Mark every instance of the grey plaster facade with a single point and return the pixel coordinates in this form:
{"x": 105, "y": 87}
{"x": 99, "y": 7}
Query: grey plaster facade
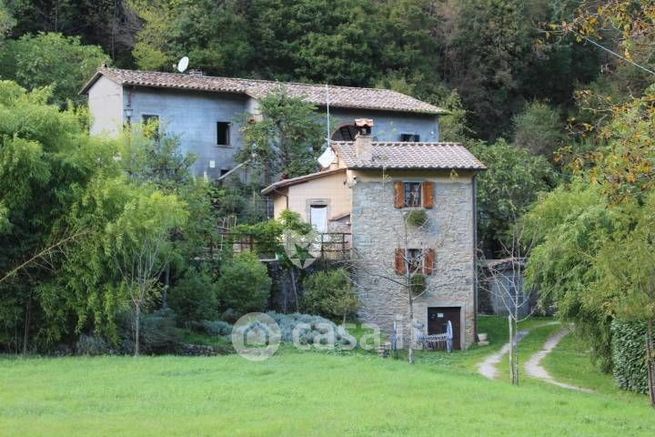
{"x": 378, "y": 229}
{"x": 192, "y": 116}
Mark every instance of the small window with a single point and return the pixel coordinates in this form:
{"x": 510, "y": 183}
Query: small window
{"x": 318, "y": 217}
{"x": 410, "y": 138}
{"x": 151, "y": 126}
{"x": 412, "y": 194}
{"x": 224, "y": 171}
{"x": 222, "y": 133}
{"x": 415, "y": 260}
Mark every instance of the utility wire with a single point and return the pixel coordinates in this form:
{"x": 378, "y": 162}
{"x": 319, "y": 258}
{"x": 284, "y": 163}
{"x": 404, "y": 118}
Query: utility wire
{"x": 612, "y": 52}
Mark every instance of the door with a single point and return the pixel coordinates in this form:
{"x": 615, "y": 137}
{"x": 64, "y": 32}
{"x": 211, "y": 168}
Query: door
{"x": 438, "y": 318}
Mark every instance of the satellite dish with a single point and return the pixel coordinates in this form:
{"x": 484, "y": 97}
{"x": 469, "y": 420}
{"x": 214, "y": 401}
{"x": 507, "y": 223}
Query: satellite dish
{"x": 327, "y": 158}
{"x": 183, "y": 64}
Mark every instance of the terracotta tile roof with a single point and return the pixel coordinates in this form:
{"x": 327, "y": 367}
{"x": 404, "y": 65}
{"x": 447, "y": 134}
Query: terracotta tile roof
{"x": 400, "y": 155}
{"x": 297, "y": 180}
{"x": 340, "y": 96}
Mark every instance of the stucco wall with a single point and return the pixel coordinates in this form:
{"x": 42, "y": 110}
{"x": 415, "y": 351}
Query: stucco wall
{"x": 330, "y": 189}
{"x": 192, "y": 116}
{"x": 106, "y": 107}
{"x": 378, "y": 230}
{"x": 389, "y": 125}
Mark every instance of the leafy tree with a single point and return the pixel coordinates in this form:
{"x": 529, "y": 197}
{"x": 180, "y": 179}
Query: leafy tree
{"x": 6, "y": 22}
{"x": 138, "y": 243}
{"x": 330, "y": 294}
{"x": 506, "y": 190}
{"x": 51, "y": 59}
{"x": 287, "y": 140}
{"x": 46, "y": 157}
{"x": 110, "y": 24}
{"x": 538, "y": 129}
{"x": 244, "y": 284}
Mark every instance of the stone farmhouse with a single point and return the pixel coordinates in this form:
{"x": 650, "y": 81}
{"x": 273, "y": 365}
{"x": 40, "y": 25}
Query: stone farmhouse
{"x": 205, "y": 112}
{"x": 372, "y": 178}
{"x": 368, "y": 188}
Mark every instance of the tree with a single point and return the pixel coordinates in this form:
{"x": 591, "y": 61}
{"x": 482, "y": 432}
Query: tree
{"x": 538, "y": 129}
{"x": 507, "y": 276}
{"x": 330, "y": 294}
{"x": 512, "y": 182}
{"x": 6, "y": 22}
{"x": 138, "y": 241}
{"x": 288, "y": 138}
{"x": 46, "y": 158}
{"x": 51, "y": 59}
{"x": 244, "y": 285}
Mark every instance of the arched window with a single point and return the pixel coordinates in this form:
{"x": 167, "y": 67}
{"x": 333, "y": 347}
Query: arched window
{"x": 347, "y": 132}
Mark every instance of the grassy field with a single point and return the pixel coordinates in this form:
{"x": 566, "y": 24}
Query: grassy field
{"x": 571, "y": 362}
{"x": 292, "y": 393}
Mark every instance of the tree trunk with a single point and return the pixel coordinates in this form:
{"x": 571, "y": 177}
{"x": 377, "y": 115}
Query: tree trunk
{"x": 28, "y": 316}
{"x": 293, "y": 287}
{"x": 137, "y": 328}
{"x": 511, "y": 349}
{"x": 516, "y": 353}
{"x": 650, "y": 363}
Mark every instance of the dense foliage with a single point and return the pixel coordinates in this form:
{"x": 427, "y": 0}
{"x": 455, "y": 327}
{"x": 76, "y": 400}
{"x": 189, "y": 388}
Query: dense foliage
{"x": 330, "y": 294}
{"x": 629, "y": 369}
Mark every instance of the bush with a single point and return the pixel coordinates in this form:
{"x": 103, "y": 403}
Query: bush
{"x": 215, "y": 327}
{"x": 418, "y": 284}
{"x": 244, "y": 285}
{"x": 330, "y": 294}
{"x": 194, "y": 298}
{"x": 91, "y": 345}
{"x": 629, "y": 356}
{"x": 417, "y": 218}
{"x": 159, "y": 333}
{"x": 318, "y": 326}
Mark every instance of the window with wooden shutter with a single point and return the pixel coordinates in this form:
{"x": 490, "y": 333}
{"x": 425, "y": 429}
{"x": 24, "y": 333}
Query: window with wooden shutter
{"x": 399, "y": 194}
{"x": 400, "y": 261}
{"x": 428, "y": 194}
{"x": 428, "y": 265}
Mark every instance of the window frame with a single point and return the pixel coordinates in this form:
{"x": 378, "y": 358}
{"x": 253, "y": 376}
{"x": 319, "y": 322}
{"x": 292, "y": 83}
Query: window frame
{"x": 407, "y": 194}
{"x": 227, "y": 136}
{"x": 413, "y": 137}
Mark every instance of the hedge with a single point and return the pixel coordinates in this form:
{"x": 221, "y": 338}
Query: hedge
{"x": 629, "y": 355}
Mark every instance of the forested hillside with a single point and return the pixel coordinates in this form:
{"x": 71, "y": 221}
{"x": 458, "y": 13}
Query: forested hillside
{"x": 554, "y": 96}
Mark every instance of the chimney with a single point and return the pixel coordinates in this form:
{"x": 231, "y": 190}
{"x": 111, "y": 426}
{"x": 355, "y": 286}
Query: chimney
{"x": 363, "y": 140}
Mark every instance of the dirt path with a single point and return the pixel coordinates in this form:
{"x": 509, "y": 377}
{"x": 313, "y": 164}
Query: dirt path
{"x": 488, "y": 368}
{"x": 534, "y": 368}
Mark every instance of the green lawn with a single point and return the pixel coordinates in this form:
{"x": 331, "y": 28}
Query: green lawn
{"x": 292, "y": 393}
{"x": 571, "y": 362}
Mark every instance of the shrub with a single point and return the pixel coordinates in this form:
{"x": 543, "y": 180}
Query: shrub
{"x": 629, "y": 355}
{"x": 91, "y": 345}
{"x": 216, "y": 327}
{"x": 194, "y": 298}
{"x": 318, "y": 326}
{"x": 159, "y": 333}
{"x": 330, "y": 294}
{"x": 417, "y": 217}
{"x": 244, "y": 285}
{"x": 418, "y": 284}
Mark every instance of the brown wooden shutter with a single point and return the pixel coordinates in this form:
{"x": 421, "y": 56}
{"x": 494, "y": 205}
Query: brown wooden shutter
{"x": 428, "y": 194}
{"x": 399, "y": 194}
{"x": 400, "y": 261}
{"x": 428, "y": 265}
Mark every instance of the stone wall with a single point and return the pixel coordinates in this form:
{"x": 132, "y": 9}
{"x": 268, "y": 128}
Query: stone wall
{"x": 378, "y": 229}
